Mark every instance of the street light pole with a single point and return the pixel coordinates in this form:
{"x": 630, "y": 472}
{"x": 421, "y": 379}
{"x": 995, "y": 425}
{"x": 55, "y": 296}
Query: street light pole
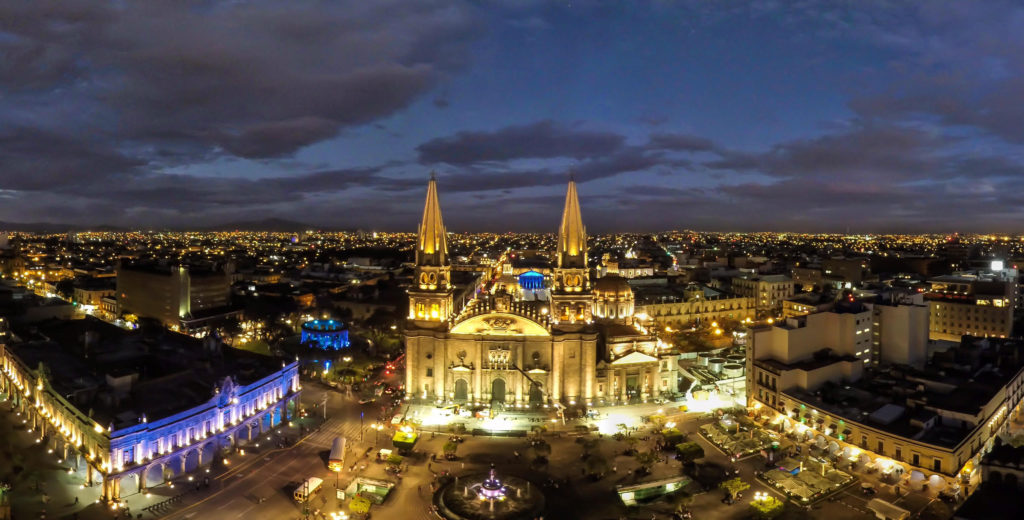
{"x": 361, "y": 426}
{"x": 325, "y": 407}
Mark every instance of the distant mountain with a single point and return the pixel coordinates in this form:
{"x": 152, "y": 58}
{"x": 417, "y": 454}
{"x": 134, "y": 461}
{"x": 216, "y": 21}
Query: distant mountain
{"x": 267, "y": 224}
{"x": 39, "y": 227}
{"x": 278, "y": 225}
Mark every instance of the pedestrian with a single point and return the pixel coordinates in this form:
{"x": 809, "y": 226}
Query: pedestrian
{"x": 76, "y": 500}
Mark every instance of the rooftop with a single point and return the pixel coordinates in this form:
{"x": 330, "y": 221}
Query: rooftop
{"x": 166, "y": 372}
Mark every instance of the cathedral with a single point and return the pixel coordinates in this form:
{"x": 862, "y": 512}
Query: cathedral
{"x": 550, "y": 335}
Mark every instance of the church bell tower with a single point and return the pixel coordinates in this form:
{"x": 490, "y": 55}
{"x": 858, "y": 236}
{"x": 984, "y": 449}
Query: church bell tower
{"x": 571, "y": 298}
{"x": 430, "y": 299}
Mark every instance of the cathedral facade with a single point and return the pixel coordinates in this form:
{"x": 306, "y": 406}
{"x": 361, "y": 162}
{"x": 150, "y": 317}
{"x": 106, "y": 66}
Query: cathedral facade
{"x": 576, "y": 344}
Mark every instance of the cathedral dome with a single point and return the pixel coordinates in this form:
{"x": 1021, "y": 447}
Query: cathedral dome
{"x": 613, "y": 287}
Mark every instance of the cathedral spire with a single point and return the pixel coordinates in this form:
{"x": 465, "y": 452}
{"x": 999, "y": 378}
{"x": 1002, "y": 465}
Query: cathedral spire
{"x": 572, "y": 236}
{"x": 432, "y": 244}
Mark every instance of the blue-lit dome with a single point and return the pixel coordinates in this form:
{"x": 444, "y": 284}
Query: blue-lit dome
{"x": 327, "y": 334}
{"x": 531, "y": 280}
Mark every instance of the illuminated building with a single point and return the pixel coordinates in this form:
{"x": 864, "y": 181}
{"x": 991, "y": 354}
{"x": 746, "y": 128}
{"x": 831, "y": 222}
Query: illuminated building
{"x": 970, "y": 305}
{"x": 807, "y": 375}
{"x": 767, "y": 291}
{"x": 326, "y": 334}
{"x": 527, "y": 339}
{"x": 136, "y": 409}
{"x": 177, "y": 295}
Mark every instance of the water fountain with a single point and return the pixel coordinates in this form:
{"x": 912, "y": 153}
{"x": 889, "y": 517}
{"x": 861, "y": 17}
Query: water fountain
{"x": 486, "y": 497}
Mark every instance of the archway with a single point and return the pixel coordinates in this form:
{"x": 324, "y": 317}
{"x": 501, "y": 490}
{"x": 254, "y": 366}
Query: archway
{"x": 498, "y": 391}
{"x": 154, "y": 475}
{"x": 536, "y": 396}
{"x": 461, "y": 390}
{"x": 191, "y": 461}
{"x": 207, "y": 453}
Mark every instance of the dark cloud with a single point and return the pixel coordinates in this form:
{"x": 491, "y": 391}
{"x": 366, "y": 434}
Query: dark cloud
{"x": 865, "y": 151}
{"x": 680, "y": 142}
{"x": 32, "y": 159}
{"x": 252, "y": 79}
{"x": 541, "y": 140}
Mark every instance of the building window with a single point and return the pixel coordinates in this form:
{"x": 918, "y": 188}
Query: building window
{"x": 881, "y": 448}
{"x": 129, "y": 455}
{"x": 916, "y": 460}
{"x": 899, "y": 454}
{"x": 430, "y": 372}
{"x": 937, "y": 465}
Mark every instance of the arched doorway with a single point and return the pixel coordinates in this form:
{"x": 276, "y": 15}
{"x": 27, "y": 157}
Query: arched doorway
{"x": 536, "y": 396}
{"x": 461, "y": 390}
{"x": 498, "y": 391}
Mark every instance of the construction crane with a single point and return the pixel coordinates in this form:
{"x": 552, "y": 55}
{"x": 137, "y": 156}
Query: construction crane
{"x": 559, "y": 409}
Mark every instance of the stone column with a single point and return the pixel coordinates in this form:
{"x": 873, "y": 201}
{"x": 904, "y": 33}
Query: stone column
{"x": 478, "y": 372}
{"x": 411, "y": 366}
{"x": 88, "y": 475}
{"x": 520, "y": 380}
{"x": 116, "y": 484}
{"x": 557, "y": 364}
{"x": 622, "y": 384}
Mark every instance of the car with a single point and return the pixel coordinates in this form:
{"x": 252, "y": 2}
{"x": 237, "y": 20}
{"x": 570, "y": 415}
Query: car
{"x": 366, "y": 400}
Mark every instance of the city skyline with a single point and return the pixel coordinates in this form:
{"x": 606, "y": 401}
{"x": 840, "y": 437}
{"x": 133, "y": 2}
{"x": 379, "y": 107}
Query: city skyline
{"x": 817, "y": 117}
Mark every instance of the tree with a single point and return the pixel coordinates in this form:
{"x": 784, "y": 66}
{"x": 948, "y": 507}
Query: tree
{"x": 596, "y": 465}
{"x": 359, "y": 505}
{"x": 766, "y": 508}
{"x": 689, "y": 451}
{"x": 646, "y": 459}
{"x": 734, "y": 486}
{"x": 449, "y": 449}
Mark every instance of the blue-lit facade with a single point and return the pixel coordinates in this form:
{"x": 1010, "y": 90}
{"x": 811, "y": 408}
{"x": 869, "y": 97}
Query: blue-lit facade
{"x": 531, "y": 280}
{"x": 327, "y": 334}
{"x": 154, "y": 449}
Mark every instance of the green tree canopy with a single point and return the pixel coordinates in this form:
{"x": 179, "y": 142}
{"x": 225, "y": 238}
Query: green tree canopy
{"x": 359, "y": 505}
{"x": 734, "y": 486}
{"x": 766, "y": 508}
{"x": 690, "y": 451}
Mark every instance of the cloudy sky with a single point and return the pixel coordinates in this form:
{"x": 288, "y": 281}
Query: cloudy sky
{"x": 766, "y": 115}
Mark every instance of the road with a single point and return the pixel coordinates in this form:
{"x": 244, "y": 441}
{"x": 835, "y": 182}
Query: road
{"x": 273, "y": 475}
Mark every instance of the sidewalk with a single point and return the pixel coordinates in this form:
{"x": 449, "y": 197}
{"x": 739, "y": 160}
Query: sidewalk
{"x": 51, "y": 488}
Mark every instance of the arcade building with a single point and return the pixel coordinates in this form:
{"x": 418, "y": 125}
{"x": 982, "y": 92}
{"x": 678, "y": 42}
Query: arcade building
{"x": 137, "y": 409}
{"x": 541, "y": 332}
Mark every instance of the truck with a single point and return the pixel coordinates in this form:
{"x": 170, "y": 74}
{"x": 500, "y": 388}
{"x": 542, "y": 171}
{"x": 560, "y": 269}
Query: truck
{"x": 337, "y": 459}
{"x": 307, "y": 489}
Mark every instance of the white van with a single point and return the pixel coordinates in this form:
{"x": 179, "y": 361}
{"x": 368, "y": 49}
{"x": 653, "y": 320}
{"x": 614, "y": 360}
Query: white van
{"x": 307, "y": 489}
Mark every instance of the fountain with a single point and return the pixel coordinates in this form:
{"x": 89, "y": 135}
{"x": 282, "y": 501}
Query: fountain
{"x": 486, "y": 497}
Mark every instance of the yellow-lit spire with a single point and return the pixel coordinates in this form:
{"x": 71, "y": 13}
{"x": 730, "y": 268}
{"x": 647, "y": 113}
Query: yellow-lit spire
{"x": 432, "y": 246}
{"x": 572, "y": 236}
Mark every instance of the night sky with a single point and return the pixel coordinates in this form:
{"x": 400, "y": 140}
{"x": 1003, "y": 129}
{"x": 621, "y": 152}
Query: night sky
{"x": 774, "y": 115}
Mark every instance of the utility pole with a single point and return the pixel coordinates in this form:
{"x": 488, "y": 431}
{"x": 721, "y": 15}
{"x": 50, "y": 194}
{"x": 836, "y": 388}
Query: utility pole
{"x": 360, "y": 426}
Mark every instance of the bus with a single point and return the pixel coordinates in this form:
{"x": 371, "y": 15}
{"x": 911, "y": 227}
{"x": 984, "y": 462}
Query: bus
{"x": 307, "y": 489}
{"x": 337, "y": 460}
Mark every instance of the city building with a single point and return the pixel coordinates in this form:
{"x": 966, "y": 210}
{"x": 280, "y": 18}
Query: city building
{"x": 806, "y": 303}
{"x": 768, "y": 292}
{"x": 692, "y": 304}
{"x": 125, "y": 406}
{"x": 970, "y": 305}
{"x": 89, "y": 292}
{"x": 577, "y": 344}
{"x": 180, "y": 296}
{"x": 899, "y": 334}
{"x": 936, "y": 420}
